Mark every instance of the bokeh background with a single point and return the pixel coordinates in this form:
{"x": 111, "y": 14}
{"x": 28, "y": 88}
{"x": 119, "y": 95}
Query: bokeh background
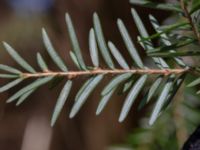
{"x": 27, "y": 127}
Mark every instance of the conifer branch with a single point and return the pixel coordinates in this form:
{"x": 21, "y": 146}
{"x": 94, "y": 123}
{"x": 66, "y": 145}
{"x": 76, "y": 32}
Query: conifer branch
{"x": 188, "y": 16}
{"x": 123, "y": 77}
{"x": 74, "y": 74}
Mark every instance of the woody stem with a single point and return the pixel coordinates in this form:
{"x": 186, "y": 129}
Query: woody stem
{"x": 73, "y": 74}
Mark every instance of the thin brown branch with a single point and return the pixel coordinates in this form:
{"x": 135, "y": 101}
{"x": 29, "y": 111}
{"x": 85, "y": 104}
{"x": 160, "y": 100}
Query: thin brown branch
{"x": 73, "y": 74}
{"x": 188, "y": 16}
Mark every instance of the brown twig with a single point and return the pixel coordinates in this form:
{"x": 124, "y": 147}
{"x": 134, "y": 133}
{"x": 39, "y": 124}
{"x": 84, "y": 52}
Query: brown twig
{"x": 73, "y": 74}
{"x": 188, "y": 16}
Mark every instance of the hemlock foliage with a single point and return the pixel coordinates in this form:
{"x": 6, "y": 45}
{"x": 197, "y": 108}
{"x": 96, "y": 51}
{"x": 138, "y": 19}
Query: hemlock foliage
{"x": 174, "y": 42}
